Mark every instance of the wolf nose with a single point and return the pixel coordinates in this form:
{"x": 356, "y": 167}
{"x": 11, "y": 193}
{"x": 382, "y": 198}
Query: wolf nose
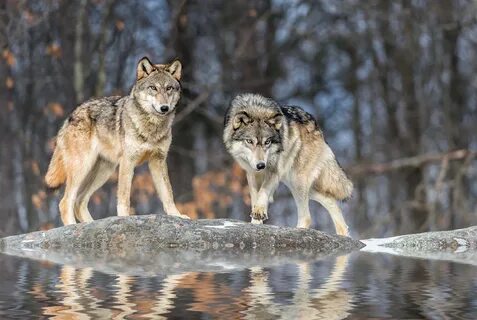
{"x": 260, "y": 165}
{"x": 164, "y": 108}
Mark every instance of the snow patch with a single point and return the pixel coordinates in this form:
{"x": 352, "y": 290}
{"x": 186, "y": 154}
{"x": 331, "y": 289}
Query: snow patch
{"x": 377, "y": 245}
{"x": 463, "y": 245}
{"x": 224, "y": 265}
{"x": 224, "y": 226}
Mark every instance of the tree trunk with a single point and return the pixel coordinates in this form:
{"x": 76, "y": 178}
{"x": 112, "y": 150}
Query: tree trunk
{"x": 79, "y": 71}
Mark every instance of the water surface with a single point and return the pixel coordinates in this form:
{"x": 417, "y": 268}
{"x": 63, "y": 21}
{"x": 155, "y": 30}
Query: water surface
{"x": 357, "y": 286}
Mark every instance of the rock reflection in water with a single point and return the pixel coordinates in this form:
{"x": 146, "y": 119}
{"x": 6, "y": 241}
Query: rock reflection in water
{"x": 82, "y": 293}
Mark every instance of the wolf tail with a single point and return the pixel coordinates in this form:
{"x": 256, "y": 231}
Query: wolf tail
{"x": 56, "y": 175}
{"x": 333, "y": 181}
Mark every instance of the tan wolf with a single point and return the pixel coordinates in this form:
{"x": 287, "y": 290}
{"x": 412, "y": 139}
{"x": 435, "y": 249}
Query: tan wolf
{"x": 102, "y": 133}
{"x": 276, "y": 143}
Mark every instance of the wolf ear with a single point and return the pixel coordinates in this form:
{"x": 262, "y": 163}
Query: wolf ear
{"x": 144, "y": 68}
{"x": 174, "y": 68}
{"x": 239, "y": 119}
{"x": 275, "y": 121}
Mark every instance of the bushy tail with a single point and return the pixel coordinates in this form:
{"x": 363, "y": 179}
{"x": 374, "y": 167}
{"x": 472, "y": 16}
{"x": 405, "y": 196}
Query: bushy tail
{"x": 56, "y": 175}
{"x": 334, "y": 182}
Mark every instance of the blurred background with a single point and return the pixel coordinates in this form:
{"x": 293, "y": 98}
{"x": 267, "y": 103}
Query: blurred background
{"x": 392, "y": 84}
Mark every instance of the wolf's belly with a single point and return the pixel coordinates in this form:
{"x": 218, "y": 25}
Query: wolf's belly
{"x": 109, "y": 150}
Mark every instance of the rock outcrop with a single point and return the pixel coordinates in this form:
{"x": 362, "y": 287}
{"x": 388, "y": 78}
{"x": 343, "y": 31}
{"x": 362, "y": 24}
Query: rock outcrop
{"x": 156, "y": 243}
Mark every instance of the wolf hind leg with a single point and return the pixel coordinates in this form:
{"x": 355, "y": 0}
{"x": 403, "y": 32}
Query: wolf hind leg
{"x": 331, "y": 205}
{"x": 66, "y": 212}
{"x": 78, "y": 168}
{"x": 97, "y": 177}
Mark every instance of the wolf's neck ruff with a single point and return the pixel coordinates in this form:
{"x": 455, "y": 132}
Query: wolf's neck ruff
{"x": 148, "y": 126}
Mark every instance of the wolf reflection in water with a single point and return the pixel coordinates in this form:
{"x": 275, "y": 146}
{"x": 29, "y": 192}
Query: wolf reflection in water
{"x": 359, "y": 286}
{"x": 81, "y": 293}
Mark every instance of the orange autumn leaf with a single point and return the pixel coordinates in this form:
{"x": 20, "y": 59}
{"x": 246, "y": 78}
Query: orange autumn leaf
{"x": 38, "y": 199}
{"x": 9, "y": 82}
{"x": 56, "y": 109}
{"x": 120, "y": 25}
{"x": 35, "y": 167}
{"x": 143, "y": 182}
{"x": 9, "y": 57}
{"x": 35, "y": 199}
{"x": 54, "y": 50}
{"x": 97, "y": 199}
{"x": 215, "y": 190}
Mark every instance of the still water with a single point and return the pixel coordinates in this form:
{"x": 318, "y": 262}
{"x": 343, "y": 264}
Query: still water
{"x": 357, "y": 286}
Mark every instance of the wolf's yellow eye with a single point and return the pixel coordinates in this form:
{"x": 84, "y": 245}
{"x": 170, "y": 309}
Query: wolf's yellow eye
{"x": 249, "y": 141}
{"x": 169, "y": 88}
{"x": 153, "y": 88}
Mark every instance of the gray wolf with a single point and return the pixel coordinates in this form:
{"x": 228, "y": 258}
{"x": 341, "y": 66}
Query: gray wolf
{"x": 275, "y": 143}
{"x": 103, "y": 133}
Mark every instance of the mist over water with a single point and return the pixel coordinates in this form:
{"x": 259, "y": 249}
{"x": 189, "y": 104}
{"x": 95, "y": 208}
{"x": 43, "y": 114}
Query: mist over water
{"x": 357, "y": 286}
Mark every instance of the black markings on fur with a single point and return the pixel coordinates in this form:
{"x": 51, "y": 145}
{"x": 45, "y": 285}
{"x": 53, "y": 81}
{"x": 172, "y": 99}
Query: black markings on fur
{"x": 297, "y": 114}
{"x": 121, "y": 126}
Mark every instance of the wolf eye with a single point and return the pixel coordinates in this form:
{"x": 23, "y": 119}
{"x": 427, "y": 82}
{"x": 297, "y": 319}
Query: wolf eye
{"x": 249, "y": 141}
{"x": 267, "y": 143}
{"x": 153, "y": 88}
{"x": 169, "y": 88}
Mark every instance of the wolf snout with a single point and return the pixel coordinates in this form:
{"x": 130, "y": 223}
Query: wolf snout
{"x": 164, "y": 108}
{"x": 261, "y": 165}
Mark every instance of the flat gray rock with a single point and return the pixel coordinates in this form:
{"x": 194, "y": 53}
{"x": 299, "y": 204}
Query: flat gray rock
{"x": 453, "y": 240}
{"x": 152, "y": 244}
{"x": 455, "y": 245}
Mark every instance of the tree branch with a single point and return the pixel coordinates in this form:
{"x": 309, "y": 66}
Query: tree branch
{"x": 416, "y": 161}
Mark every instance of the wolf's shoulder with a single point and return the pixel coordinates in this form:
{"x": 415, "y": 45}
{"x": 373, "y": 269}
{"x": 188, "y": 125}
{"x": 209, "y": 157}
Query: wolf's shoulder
{"x": 297, "y": 114}
{"x": 97, "y": 109}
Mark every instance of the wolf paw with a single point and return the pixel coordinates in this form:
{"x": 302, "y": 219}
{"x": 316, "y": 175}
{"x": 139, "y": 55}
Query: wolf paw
{"x": 180, "y": 215}
{"x": 342, "y": 230}
{"x": 254, "y": 221}
{"x": 258, "y": 213}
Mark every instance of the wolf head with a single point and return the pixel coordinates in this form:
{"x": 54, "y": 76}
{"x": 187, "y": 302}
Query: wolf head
{"x": 253, "y": 133}
{"x": 157, "y": 89}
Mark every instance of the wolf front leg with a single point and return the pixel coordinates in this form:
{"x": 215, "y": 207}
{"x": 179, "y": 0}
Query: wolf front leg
{"x": 259, "y": 209}
{"x": 126, "y": 172}
{"x": 302, "y": 200}
{"x": 160, "y": 176}
{"x": 252, "y": 186}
